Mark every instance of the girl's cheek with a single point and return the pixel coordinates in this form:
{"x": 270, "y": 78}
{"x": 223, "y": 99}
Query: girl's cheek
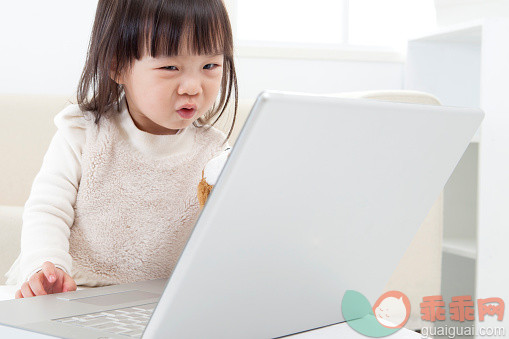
{"x": 214, "y": 83}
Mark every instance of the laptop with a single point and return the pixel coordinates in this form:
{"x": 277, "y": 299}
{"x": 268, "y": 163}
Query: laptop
{"x": 319, "y": 195}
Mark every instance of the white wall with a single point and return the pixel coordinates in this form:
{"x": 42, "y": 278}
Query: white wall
{"x": 450, "y": 12}
{"x": 315, "y": 76}
{"x": 45, "y": 44}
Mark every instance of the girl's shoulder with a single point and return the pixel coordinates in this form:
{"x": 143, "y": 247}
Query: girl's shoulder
{"x": 72, "y": 117}
{"x": 72, "y": 124}
{"x": 211, "y": 135}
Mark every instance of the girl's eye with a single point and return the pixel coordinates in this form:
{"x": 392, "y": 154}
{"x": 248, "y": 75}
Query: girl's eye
{"x": 213, "y": 65}
{"x": 171, "y": 68}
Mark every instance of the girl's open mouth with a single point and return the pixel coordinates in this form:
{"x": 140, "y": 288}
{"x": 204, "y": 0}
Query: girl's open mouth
{"x": 186, "y": 113}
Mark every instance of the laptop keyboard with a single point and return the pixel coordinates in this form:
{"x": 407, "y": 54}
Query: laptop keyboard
{"x": 130, "y": 321}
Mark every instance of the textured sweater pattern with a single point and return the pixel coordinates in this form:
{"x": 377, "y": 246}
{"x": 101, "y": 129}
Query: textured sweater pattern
{"x": 136, "y": 204}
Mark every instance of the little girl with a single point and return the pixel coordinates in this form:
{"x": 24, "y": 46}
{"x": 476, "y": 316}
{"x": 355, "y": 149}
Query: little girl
{"x": 115, "y": 199}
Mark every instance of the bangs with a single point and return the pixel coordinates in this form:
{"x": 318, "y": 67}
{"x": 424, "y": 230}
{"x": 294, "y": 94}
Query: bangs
{"x": 174, "y": 27}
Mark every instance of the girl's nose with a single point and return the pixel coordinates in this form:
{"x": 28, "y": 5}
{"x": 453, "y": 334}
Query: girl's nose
{"x": 189, "y": 86}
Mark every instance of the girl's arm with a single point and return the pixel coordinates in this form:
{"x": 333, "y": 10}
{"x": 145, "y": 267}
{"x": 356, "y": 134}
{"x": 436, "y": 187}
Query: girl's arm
{"x": 49, "y": 211}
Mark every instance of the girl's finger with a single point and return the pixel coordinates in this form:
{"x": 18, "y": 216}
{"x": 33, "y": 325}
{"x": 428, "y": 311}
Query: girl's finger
{"x": 18, "y": 294}
{"x": 69, "y": 284}
{"x": 58, "y": 286}
{"x": 49, "y": 271}
{"x": 26, "y": 291}
{"x": 36, "y": 285}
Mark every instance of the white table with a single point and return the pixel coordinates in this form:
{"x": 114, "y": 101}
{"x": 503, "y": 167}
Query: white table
{"x": 342, "y": 330}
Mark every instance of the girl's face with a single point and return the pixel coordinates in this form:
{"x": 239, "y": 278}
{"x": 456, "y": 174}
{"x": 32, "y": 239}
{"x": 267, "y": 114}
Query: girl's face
{"x": 157, "y": 88}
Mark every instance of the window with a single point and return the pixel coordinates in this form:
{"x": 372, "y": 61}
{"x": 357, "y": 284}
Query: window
{"x": 290, "y": 21}
{"x": 389, "y": 22}
{"x": 341, "y": 24}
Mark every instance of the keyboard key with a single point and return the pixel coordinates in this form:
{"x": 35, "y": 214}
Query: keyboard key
{"x": 119, "y": 330}
{"x": 108, "y": 313}
{"x": 146, "y": 307}
{"x": 122, "y": 311}
{"x": 133, "y": 333}
{"x": 73, "y": 322}
{"x": 93, "y": 322}
{"x": 105, "y": 326}
{"x": 66, "y": 320}
{"x": 134, "y": 327}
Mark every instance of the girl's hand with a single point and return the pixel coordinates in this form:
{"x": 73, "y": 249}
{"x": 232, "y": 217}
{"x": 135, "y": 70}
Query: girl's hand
{"x": 47, "y": 281}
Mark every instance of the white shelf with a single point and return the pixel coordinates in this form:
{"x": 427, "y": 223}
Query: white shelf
{"x": 470, "y": 32}
{"x": 466, "y": 65}
{"x": 463, "y": 247}
{"x": 447, "y": 65}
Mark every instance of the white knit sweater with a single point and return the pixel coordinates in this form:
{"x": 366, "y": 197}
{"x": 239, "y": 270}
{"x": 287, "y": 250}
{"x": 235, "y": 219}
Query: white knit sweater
{"x": 113, "y": 204}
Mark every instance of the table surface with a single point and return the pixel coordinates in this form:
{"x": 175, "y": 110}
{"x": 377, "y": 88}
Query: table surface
{"x": 334, "y": 331}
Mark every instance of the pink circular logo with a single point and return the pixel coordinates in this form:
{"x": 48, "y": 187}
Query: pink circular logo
{"x": 392, "y": 309}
